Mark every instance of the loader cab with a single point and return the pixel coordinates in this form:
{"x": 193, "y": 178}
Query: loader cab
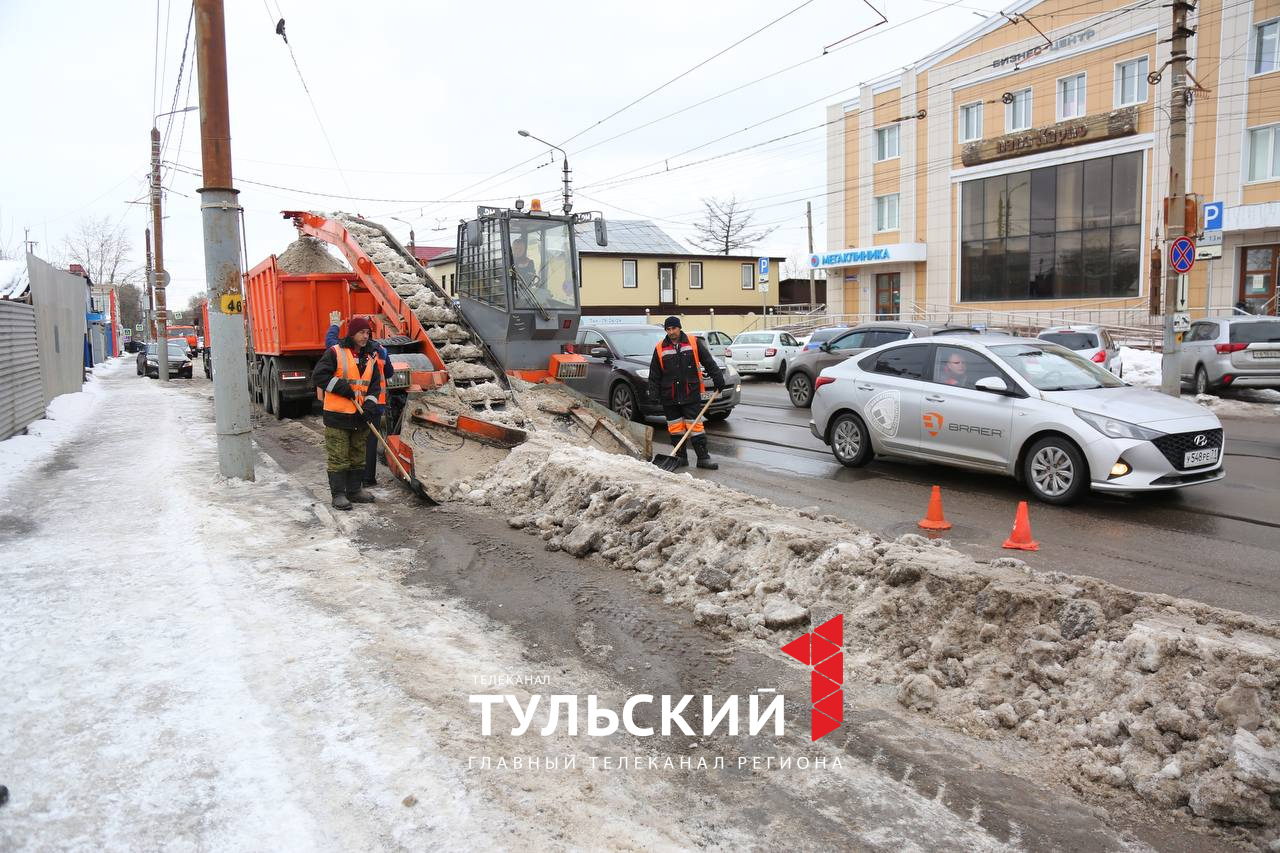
{"x": 518, "y": 282}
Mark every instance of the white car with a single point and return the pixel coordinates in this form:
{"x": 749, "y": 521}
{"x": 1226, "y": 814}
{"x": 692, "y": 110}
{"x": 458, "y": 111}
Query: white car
{"x": 762, "y": 353}
{"x": 716, "y": 341}
{"x": 1037, "y": 411}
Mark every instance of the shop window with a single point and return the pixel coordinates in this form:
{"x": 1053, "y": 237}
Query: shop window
{"x": 1266, "y": 47}
{"x": 886, "y": 143}
{"x": 1264, "y": 153}
{"x": 1131, "y": 82}
{"x": 971, "y": 122}
{"x": 1071, "y": 92}
{"x": 1061, "y": 232}
{"x": 1018, "y": 111}
{"x": 886, "y": 212}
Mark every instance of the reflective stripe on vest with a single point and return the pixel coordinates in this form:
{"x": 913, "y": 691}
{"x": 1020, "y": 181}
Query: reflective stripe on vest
{"x": 348, "y": 369}
{"x": 676, "y": 350}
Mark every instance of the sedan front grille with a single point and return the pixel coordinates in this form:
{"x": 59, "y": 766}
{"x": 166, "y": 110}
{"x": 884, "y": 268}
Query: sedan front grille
{"x": 1176, "y": 446}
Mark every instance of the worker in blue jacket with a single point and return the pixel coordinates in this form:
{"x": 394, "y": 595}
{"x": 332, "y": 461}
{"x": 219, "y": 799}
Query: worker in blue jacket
{"x": 384, "y": 364}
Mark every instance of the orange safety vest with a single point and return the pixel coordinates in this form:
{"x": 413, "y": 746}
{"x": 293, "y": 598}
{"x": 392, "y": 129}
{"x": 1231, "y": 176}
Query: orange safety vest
{"x": 348, "y": 369}
{"x": 679, "y": 348}
{"x": 382, "y": 382}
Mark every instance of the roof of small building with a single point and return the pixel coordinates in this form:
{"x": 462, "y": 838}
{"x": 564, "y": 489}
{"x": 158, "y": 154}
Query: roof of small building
{"x": 426, "y": 253}
{"x": 630, "y": 237}
{"x": 14, "y": 279}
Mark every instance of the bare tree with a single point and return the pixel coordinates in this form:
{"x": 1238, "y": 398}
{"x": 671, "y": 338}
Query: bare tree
{"x": 104, "y": 251}
{"x": 129, "y": 301}
{"x": 726, "y": 228}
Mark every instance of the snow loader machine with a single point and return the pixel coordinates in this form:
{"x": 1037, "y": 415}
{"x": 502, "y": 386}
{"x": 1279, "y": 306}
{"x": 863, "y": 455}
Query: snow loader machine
{"x": 474, "y": 375}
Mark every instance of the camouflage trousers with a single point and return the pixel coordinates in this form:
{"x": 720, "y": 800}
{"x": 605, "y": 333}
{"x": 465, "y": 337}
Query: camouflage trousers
{"x": 344, "y": 449}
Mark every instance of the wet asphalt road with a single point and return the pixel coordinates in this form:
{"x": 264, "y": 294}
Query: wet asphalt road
{"x": 1217, "y": 543}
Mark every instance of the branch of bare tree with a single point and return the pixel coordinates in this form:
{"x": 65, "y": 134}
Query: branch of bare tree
{"x": 727, "y": 229}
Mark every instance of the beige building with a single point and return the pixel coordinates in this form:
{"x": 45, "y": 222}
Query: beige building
{"x": 644, "y": 275}
{"x": 1023, "y": 166}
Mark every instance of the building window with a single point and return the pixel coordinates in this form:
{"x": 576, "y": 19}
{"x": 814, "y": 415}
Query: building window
{"x": 1131, "y": 82}
{"x": 1062, "y": 232}
{"x": 971, "y": 122}
{"x": 886, "y": 212}
{"x": 1264, "y": 153}
{"x": 1071, "y": 97}
{"x": 748, "y": 276}
{"x": 1018, "y": 112}
{"x": 629, "y": 274}
{"x": 886, "y": 143}
{"x": 1266, "y": 47}
{"x": 695, "y": 275}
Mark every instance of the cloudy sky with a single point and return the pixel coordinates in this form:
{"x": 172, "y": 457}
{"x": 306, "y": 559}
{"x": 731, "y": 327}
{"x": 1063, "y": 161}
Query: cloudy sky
{"x": 414, "y": 107}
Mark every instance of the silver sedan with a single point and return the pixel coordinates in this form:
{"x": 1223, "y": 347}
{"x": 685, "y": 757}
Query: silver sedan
{"x": 1030, "y": 409}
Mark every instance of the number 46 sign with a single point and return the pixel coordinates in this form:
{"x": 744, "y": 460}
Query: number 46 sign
{"x": 232, "y": 303}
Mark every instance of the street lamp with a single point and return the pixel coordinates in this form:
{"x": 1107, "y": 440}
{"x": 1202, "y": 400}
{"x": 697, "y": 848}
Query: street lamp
{"x": 568, "y": 205}
{"x": 410, "y": 224}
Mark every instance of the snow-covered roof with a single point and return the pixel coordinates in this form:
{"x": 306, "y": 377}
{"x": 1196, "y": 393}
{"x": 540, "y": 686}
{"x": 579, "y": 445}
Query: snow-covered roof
{"x": 14, "y": 279}
{"x": 632, "y": 237}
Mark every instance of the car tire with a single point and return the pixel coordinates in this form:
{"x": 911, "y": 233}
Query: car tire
{"x": 717, "y": 416}
{"x": 800, "y": 389}
{"x": 1054, "y": 471}
{"x": 622, "y": 401}
{"x": 849, "y": 440}
{"x": 1201, "y": 381}
{"x": 781, "y": 374}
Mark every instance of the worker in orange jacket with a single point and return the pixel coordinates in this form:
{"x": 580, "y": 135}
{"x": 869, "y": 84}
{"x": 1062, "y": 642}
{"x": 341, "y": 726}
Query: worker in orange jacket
{"x": 350, "y": 380}
{"x": 675, "y": 381}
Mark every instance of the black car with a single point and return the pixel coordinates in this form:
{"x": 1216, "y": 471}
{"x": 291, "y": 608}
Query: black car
{"x": 179, "y": 364}
{"x": 618, "y": 371}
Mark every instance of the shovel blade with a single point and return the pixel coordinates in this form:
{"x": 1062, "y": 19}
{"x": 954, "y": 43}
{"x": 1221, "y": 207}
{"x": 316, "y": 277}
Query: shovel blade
{"x": 666, "y": 462}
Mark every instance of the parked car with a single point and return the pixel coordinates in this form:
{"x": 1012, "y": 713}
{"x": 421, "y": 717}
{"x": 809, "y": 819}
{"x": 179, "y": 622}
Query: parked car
{"x": 1037, "y": 411}
{"x": 716, "y": 341}
{"x": 806, "y": 366}
{"x": 1092, "y": 342}
{"x": 763, "y": 352}
{"x": 179, "y": 363}
{"x": 1231, "y": 352}
{"x": 618, "y": 371}
{"x": 820, "y": 336}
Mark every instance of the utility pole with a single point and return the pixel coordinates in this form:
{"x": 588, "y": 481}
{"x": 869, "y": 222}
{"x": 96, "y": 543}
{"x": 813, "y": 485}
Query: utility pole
{"x": 1175, "y": 220}
{"x": 220, "y": 213}
{"x": 151, "y": 301}
{"x": 813, "y": 287}
{"x": 157, "y": 226}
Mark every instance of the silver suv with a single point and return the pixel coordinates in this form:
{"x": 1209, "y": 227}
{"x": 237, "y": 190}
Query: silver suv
{"x": 1231, "y": 352}
{"x": 1092, "y": 342}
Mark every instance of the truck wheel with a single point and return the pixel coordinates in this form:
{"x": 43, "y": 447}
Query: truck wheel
{"x": 268, "y": 393}
{"x": 279, "y": 404}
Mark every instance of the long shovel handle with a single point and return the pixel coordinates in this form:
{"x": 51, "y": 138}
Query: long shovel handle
{"x": 392, "y": 456}
{"x": 685, "y": 437}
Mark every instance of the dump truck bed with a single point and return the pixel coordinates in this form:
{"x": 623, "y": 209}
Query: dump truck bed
{"x": 289, "y": 313}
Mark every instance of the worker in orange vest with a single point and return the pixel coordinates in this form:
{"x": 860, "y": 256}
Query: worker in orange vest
{"x": 349, "y": 377}
{"x": 675, "y": 381}
{"x": 331, "y": 338}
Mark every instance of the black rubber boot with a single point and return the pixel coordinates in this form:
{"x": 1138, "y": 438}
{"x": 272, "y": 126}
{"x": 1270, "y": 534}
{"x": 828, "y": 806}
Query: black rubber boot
{"x": 338, "y": 487}
{"x": 354, "y": 493}
{"x": 704, "y": 458}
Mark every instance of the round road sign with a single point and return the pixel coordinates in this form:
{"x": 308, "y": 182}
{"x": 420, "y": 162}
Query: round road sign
{"x": 1182, "y": 255}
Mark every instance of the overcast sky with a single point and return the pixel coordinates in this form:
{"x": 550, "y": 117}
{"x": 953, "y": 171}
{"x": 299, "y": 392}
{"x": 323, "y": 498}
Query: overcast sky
{"x": 421, "y": 101}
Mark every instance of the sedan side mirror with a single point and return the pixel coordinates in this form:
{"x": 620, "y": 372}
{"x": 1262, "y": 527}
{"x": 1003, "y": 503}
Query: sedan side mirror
{"x": 824, "y": 346}
{"x": 601, "y": 352}
{"x": 992, "y": 385}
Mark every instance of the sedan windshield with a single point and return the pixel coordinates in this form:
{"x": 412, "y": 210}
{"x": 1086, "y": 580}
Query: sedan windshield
{"x": 1071, "y": 340}
{"x": 1049, "y": 367}
{"x": 636, "y": 343}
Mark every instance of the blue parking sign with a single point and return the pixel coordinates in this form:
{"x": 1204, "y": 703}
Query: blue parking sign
{"x": 763, "y": 265}
{"x": 1213, "y": 216}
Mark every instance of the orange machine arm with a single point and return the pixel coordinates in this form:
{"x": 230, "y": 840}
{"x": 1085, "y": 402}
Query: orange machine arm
{"x": 398, "y": 314}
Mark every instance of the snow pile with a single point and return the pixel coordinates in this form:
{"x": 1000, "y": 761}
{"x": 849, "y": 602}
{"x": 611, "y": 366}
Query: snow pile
{"x": 1142, "y": 693}
{"x": 61, "y": 419}
{"x": 15, "y": 279}
{"x": 308, "y": 255}
{"x": 1142, "y": 367}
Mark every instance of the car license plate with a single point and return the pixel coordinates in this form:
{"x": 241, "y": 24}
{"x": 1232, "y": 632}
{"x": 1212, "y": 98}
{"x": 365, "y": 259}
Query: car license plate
{"x": 1266, "y": 353}
{"x": 706, "y": 395}
{"x": 745, "y": 368}
{"x": 1196, "y": 458}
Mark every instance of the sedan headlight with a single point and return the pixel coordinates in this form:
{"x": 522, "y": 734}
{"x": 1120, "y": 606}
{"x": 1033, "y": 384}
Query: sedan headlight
{"x": 1117, "y": 429}
{"x": 642, "y": 372}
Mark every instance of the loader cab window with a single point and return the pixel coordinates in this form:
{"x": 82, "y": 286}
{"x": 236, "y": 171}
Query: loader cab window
{"x": 480, "y": 274}
{"x": 541, "y": 265}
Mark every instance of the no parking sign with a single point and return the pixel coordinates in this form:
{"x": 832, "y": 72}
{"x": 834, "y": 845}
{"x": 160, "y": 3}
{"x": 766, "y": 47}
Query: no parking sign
{"x": 1182, "y": 255}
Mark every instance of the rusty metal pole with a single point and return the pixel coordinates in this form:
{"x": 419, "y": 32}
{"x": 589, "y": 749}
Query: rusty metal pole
{"x": 151, "y": 297}
{"x": 220, "y": 213}
{"x": 157, "y": 225}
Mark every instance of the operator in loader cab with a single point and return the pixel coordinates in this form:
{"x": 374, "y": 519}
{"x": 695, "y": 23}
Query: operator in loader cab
{"x": 520, "y": 259}
{"x": 675, "y": 380}
{"x": 348, "y": 380}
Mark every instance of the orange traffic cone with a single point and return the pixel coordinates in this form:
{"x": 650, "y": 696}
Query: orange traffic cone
{"x": 1020, "y": 539}
{"x": 934, "y": 519}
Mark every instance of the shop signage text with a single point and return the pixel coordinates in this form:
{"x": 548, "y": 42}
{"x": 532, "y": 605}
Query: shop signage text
{"x": 1094, "y": 128}
{"x": 1066, "y": 41}
{"x": 892, "y": 253}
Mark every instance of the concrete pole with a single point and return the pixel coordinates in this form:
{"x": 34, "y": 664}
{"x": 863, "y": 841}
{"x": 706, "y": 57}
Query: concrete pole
{"x": 813, "y": 286}
{"x": 1175, "y": 224}
{"x": 151, "y": 296}
{"x": 221, "y": 218}
{"x": 157, "y": 226}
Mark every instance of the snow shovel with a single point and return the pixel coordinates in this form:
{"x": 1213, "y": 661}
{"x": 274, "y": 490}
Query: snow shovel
{"x": 394, "y": 460}
{"x": 670, "y": 463}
